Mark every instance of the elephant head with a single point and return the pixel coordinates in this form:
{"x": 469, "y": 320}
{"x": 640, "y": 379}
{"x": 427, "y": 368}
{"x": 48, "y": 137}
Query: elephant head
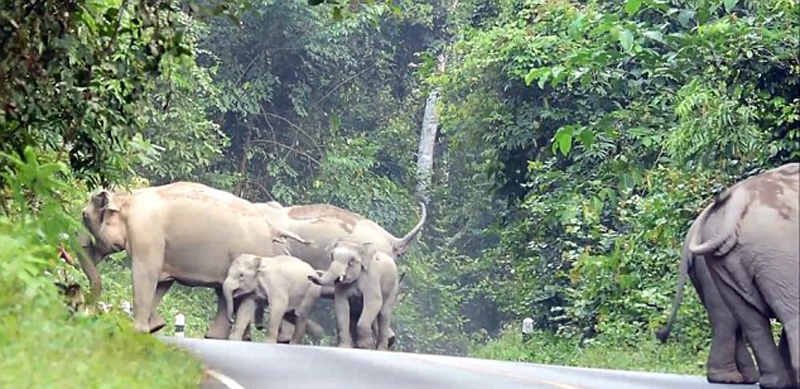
{"x": 242, "y": 279}
{"x": 105, "y": 234}
{"x": 348, "y": 260}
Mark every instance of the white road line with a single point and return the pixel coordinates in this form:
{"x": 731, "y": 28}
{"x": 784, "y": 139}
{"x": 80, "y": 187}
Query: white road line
{"x": 227, "y": 381}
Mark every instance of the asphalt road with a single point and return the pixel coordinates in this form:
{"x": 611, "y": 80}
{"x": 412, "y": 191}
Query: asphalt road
{"x": 249, "y": 365}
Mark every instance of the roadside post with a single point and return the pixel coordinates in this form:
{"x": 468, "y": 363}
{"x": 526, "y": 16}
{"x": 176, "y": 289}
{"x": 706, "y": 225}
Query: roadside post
{"x": 527, "y": 328}
{"x": 180, "y": 322}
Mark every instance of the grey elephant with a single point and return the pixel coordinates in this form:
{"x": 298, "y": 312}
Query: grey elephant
{"x": 359, "y": 270}
{"x": 280, "y": 280}
{"x": 184, "y": 232}
{"x": 750, "y": 238}
{"x": 729, "y": 360}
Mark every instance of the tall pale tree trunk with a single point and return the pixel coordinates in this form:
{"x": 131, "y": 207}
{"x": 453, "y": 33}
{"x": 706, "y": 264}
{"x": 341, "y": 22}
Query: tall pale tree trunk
{"x": 427, "y": 138}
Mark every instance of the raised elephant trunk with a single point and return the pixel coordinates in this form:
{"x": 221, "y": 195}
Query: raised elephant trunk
{"x": 227, "y": 292}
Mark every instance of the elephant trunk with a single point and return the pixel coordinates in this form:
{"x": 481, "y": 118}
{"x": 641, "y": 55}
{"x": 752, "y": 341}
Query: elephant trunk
{"x": 227, "y": 292}
{"x": 87, "y": 260}
{"x": 334, "y": 275}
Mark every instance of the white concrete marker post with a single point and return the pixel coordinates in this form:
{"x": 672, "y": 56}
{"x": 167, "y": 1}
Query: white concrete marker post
{"x": 527, "y": 328}
{"x": 180, "y": 322}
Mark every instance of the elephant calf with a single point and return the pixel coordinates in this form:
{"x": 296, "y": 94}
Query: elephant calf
{"x": 359, "y": 270}
{"x": 282, "y": 280}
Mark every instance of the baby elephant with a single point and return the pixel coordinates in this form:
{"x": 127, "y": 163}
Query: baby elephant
{"x": 359, "y": 270}
{"x": 282, "y": 280}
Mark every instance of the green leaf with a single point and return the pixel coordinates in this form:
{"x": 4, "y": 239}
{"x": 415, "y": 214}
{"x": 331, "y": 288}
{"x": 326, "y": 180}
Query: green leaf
{"x": 654, "y": 35}
{"x": 626, "y": 40}
{"x": 729, "y": 5}
{"x": 685, "y": 17}
{"x": 632, "y": 6}
{"x": 576, "y": 25}
{"x": 337, "y": 14}
{"x": 563, "y": 139}
{"x": 534, "y": 74}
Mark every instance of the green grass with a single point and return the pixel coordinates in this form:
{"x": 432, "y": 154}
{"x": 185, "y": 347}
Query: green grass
{"x": 645, "y": 354}
{"x": 43, "y": 346}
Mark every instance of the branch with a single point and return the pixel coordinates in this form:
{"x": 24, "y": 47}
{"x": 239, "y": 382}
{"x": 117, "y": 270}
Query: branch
{"x": 296, "y": 127}
{"x": 299, "y": 152}
{"x": 346, "y": 80}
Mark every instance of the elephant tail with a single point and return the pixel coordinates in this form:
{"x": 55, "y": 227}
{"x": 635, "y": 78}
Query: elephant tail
{"x": 732, "y": 202}
{"x": 401, "y": 245}
{"x": 687, "y": 258}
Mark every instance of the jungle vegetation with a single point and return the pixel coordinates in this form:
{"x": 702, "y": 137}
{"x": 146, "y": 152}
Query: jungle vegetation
{"x": 576, "y": 142}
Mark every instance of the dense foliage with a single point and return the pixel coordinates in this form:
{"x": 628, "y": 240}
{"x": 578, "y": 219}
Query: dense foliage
{"x": 578, "y": 141}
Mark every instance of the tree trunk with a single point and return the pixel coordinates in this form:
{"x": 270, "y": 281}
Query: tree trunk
{"x": 427, "y": 138}
{"x": 239, "y": 188}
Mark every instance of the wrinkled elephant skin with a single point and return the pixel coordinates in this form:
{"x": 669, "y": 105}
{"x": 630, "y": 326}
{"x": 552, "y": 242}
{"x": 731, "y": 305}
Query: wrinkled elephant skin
{"x": 749, "y": 237}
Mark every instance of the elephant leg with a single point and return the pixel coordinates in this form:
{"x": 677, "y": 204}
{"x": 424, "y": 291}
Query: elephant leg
{"x": 791, "y": 330}
{"x": 758, "y": 332}
{"x": 779, "y": 287}
{"x": 384, "y": 321}
{"x": 744, "y": 360}
{"x": 372, "y": 306}
{"x": 244, "y": 316}
{"x": 783, "y": 348}
{"x": 342, "y": 307}
{"x": 277, "y": 308}
{"x": 721, "y": 365}
{"x": 147, "y": 257}
{"x": 302, "y": 313}
{"x": 286, "y": 330}
{"x": 220, "y": 326}
{"x": 157, "y": 322}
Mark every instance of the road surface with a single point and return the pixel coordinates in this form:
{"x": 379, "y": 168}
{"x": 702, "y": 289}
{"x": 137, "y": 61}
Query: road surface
{"x": 248, "y": 365}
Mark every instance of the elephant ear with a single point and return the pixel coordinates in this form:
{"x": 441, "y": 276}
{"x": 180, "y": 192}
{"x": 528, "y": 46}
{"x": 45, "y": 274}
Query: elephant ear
{"x": 104, "y": 200}
{"x": 333, "y": 245}
{"x": 368, "y": 254}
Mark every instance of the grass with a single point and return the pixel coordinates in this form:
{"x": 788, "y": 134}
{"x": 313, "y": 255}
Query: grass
{"x": 644, "y": 354}
{"x": 43, "y": 346}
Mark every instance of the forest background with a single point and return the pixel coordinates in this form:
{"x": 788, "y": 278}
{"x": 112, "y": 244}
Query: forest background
{"x": 573, "y": 142}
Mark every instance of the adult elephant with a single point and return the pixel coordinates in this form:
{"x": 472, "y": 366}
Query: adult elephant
{"x": 184, "y": 232}
{"x": 749, "y": 237}
{"x": 729, "y": 360}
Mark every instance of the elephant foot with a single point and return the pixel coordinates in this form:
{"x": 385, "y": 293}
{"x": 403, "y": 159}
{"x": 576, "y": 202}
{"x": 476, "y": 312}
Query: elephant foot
{"x": 157, "y": 324}
{"x": 728, "y": 377}
{"x": 345, "y": 345}
{"x": 776, "y": 381}
{"x": 365, "y": 344}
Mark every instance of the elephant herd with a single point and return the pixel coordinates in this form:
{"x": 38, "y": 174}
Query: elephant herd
{"x": 741, "y": 255}
{"x": 251, "y": 255}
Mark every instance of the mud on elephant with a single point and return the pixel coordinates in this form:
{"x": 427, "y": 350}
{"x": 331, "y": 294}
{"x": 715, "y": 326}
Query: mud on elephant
{"x": 184, "y": 232}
